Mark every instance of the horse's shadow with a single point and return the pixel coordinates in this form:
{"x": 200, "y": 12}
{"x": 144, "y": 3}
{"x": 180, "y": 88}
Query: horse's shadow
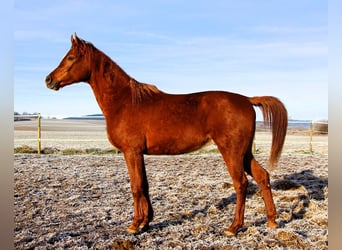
{"x": 180, "y": 220}
{"x": 252, "y": 189}
{"x": 221, "y": 205}
{"x": 314, "y": 186}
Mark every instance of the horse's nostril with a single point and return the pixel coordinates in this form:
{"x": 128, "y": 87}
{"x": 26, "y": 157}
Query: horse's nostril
{"x": 48, "y": 79}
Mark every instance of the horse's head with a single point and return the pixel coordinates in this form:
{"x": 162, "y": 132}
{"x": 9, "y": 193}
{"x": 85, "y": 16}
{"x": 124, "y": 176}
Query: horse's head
{"x": 73, "y": 68}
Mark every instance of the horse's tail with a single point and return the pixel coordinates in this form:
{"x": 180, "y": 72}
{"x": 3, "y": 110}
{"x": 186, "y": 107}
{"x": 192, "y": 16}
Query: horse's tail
{"x": 275, "y": 116}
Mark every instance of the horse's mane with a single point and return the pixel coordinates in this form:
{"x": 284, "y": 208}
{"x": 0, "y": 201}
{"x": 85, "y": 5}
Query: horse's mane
{"x": 142, "y": 91}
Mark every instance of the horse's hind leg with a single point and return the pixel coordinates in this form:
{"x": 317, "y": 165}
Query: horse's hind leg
{"x": 261, "y": 177}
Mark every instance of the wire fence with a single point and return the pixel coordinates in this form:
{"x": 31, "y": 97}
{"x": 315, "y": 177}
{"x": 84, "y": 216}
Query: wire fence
{"x": 41, "y": 134}
{"x": 302, "y": 137}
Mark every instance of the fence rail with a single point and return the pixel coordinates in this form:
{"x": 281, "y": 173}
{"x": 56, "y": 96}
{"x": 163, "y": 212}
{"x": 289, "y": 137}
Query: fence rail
{"x": 308, "y": 136}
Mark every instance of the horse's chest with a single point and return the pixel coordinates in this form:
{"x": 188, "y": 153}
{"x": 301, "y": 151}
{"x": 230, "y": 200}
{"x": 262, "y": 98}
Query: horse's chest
{"x": 125, "y": 136}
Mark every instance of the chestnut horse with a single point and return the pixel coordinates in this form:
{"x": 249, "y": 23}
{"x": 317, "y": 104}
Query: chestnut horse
{"x": 141, "y": 119}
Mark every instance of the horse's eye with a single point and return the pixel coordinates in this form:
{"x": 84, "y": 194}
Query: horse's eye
{"x": 70, "y": 58}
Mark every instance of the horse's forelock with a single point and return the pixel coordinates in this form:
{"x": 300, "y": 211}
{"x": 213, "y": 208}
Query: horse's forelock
{"x": 79, "y": 45}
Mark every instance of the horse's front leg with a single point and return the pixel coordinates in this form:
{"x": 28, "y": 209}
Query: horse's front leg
{"x": 143, "y": 212}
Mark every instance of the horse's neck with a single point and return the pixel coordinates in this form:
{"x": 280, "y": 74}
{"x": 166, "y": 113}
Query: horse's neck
{"x": 110, "y": 84}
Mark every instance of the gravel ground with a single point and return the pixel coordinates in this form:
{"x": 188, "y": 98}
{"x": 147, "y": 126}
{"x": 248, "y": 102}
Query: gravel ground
{"x": 81, "y": 202}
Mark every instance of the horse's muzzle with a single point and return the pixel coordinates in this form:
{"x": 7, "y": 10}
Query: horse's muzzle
{"x": 55, "y": 85}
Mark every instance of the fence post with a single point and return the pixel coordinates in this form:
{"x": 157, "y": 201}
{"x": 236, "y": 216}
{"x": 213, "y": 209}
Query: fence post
{"x": 310, "y": 145}
{"x": 254, "y": 145}
{"x": 39, "y": 134}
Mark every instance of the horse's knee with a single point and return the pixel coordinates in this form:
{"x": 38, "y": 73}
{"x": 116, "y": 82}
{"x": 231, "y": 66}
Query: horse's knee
{"x": 240, "y": 185}
{"x": 137, "y": 192}
{"x": 242, "y": 181}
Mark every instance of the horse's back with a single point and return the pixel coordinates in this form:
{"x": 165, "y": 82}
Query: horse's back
{"x": 200, "y": 112}
{"x": 228, "y": 111}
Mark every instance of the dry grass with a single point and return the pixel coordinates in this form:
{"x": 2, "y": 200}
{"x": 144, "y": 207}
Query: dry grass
{"x": 84, "y": 201}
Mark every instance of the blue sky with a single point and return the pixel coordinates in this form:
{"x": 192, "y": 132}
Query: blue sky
{"x": 255, "y": 47}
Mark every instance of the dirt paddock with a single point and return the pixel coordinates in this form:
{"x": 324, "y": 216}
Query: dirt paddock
{"x": 81, "y": 202}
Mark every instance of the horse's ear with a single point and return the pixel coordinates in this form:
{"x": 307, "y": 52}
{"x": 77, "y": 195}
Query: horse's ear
{"x": 74, "y": 38}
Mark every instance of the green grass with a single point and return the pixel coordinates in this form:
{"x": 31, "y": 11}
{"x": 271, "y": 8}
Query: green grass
{"x": 89, "y": 151}
{"x": 25, "y": 150}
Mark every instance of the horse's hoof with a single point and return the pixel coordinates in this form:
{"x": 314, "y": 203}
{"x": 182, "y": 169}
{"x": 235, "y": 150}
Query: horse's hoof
{"x": 229, "y": 233}
{"x": 144, "y": 227}
{"x": 272, "y": 224}
{"x": 132, "y": 230}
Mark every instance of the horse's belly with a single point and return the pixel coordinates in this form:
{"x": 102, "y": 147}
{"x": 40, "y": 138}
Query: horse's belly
{"x": 175, "y": 144}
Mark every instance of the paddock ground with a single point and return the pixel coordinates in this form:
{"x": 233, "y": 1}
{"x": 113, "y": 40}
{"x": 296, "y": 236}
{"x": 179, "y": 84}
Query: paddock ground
{"x": 84, "y": 201}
